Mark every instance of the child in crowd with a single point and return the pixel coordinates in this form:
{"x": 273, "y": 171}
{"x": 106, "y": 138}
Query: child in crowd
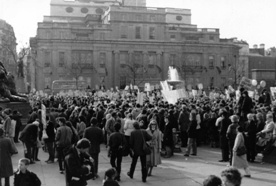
{"x": 23, "y": 177}
{"x": 109, "y": 176}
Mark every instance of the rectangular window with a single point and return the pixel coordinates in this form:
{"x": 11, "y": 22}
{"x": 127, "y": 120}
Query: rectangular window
{"x": 222, "y": 62}
{"x": 172, "y": 59}
{"x": 151, "y": 33}
{"x": 122, "y": 82}
{"x": 172, "y": 37}
{"x": 137, "y": 32}
{"x": 152, "y": 18}
{"x": 102, "y": 36}
{"x": 123, "y": 57}
{"x": 47, "y": 59}
{"x": 102, "y": 60}
{"x": 124, "y": 32}
{"x": 61, "y": 61}
{"x": 138, "y": 17}
{"x": 212, "y": 79}
{"x": 211, "y": 38}
{"x": 211, "y": 61}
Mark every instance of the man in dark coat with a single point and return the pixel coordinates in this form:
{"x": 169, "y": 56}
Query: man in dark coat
{"x": 17, "y": 117}
{"x": 6, "y": 150}
{"x": 223, "y": 126}
{"x": 95, "y": 135}
{"x": 136, "y": 141}
{"x": 183, "y": 121}
{"x": 116, "y": 144}
{"x": 78, "y": 163}
{"x": 245, "y": 105}
{"x": 29, "y": 137}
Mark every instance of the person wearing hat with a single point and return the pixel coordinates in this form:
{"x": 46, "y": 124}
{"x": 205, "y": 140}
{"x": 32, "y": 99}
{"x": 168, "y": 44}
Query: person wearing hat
{"x": 6, "y": 168}
{"x": 231, "y": 134}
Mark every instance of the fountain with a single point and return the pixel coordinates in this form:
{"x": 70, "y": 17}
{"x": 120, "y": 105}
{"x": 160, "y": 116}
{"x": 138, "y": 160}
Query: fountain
{"x": 173, "y": 88}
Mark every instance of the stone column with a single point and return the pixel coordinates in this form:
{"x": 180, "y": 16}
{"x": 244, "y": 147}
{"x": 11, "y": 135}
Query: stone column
{"x": 160, "y": 63}
{"x": 145, "y": 64}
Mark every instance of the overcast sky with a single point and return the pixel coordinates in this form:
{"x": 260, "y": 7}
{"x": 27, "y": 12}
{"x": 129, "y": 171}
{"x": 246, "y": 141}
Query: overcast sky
{"x": 249, "y": 20}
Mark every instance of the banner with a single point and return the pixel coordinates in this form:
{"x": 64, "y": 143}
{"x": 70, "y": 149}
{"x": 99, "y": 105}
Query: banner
{"x": 43, "y": 119}
{"x": 273, "y": 92}
{"x": 246, "y": 83}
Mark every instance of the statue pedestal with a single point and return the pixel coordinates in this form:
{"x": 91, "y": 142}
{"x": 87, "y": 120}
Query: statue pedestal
{"x": 22, "y": 107}
{"x": 20, "y": 85}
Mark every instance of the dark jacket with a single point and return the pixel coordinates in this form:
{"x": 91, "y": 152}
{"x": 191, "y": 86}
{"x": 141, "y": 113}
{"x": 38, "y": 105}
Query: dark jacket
{"x": 29, "y": 134}
{"x": 75, "y": 167}
{"x": 95, "y": 136}
{"x": 168, "y": 135}
{"x": 136, "y": 141}
{"x": 192, "y": 129}
{"x": 27, "y": 179}
{"x": 115, "y": 141}
{"x": 50, "y": 131}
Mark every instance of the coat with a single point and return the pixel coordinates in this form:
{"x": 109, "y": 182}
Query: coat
{"x": 27, "y": 179}
{"x": 136, "y": 141}
{"x": 95, "y": 136}
{"x": 154, "y": 158}
{"x": 74, "y": 167}
{"x": 239, "y": 161}
{"x": 6, "y": 150}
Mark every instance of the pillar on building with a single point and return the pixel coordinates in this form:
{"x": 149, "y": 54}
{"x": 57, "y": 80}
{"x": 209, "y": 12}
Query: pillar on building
{"x": 160, "y": 63}
{"x": 116, "y": 68}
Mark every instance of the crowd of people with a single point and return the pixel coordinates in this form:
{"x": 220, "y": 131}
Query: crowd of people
{"x": 75, "y": 126}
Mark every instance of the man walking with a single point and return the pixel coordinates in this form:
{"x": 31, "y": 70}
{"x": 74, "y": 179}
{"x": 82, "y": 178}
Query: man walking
{"x": 137, "y": 139}
{"x": 95, "y": 135}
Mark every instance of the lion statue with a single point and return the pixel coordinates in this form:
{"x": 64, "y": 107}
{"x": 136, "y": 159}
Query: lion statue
{"x": 8, "y": 91}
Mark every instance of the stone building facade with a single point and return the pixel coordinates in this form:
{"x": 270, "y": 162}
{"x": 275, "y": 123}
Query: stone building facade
{"x": 8, "y": 54}
{"x": 115, "y": 45}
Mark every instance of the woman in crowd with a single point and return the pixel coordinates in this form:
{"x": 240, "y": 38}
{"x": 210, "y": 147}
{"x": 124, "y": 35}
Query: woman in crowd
{"x": 154, "y": 158}
{"x": 128, "y": 128}
{"x": 192, "y": 134}
{"x": 240, "y": 161}
{"x": 231, "y": 134}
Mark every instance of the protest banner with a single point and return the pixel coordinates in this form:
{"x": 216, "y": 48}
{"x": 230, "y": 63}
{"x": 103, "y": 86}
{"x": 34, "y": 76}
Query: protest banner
{"x": 246, "y": 83}
{"x": 273, "y": 92}
{"x": 43, "y": 119}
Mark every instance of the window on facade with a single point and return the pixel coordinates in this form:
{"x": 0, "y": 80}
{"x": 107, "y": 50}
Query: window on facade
{"x": 61, "y": 60}
{"x": 123, "y": 58}
{"x": 124, "y": 32}
{"x": 138, "y": 17}
{"x": 152, "y": 18}
{"x": 212, "y": 79}
{"x": 222, "y": 62}
{"x": 151, "y": 33}
{"x": 122, "y": 82}
{"x": 173, "y": 59}
{"x": 211, "y": 61}
{"x": 102, "y": 36}
{"x": 124, "y": 17}
{"x": 212, "y": 38}
{"x": 223, "y": 81}
{"x": 47, "y": 59}
{"x": 137, "y": 32}
{"x": 172, "y": 37}
{"x": 152, "y": 59}
{"x": 102, "y": 60}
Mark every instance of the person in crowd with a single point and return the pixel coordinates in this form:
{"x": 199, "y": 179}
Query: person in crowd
{"x": 33, "y": 116}
{"x": 260, "y": 122}
{"x": 136, "y": 110}
{"x": 17, "y": 117}
{"x": 250, "y": 133}
{"x": 24, "y": 177}
{"x": 231, "y": 177}
{"x": 110, "y": 177}
{"x": 9, "y": 127}
{"x": 223, "y": 125}
{"x": 75, "y": 137}
{"x": 240, "y": 161}
{"x": 109, "y": 126}
{"x": 63, "y": 142}
{"x": 38, "y": 140}
{"x": 245, "y": 105}
{"x": 117, "y": 143}
{"x": 78, "y": 164}
{"x": 183, "y": 121}
{"x": 29, "y": 137}
{"x": 155, "y": 143}
{"x": 192, "y": 134}
{"x": 50, "y": 140}
{"x": 168, "y": 142}
{"x": 143, "y": 117}
{"x": 6, "y": 151}
{"x": 137, "y": 138}
{"x": 231, "y": 135}
{"x": 128, "y": 128}
{"x": 95, "y": 135}
{"x": 212, "y": 180}
{"x": 265, "y": 136}
{"x": 81, "y": 125}
{"x": 212, "y": 130}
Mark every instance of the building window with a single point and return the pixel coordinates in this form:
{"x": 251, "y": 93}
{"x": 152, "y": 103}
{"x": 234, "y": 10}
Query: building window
{"x": 102, "y": 60}
{"x": 123, "y": 58}
{"x": 69, "y": 9}
{"x": 172, "y": 37}
{"x": 124, "y": 17}
{"x": 212, "y": 79}
{"x": 137, "y": 32}
{"x": 102, "y": 36}
{"x": 222, "y": 62}
{"x": 211, "y": 38}
{"x": 151, "y": 33}
{"x": 152, "y": 18}
{"x": 47, "y": 59}
{"x": 211, "y": 61}
{"x": 61, "y": 60}
{"x": 173, "y": 59}
{"x": 122, "y": 82}
{"x": 84, "y": 10}
{"x": 124, "y": 32}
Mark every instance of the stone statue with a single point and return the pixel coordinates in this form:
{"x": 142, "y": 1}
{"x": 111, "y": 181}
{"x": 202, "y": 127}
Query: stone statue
{"x": 8, "y": 91}
{"x": 20, "y": 66}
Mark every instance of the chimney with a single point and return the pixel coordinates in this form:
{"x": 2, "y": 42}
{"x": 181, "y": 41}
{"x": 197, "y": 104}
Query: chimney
{"x": 255, "y": 46}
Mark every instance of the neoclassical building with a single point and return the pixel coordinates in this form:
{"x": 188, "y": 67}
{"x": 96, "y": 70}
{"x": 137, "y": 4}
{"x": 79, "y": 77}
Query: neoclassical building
{"x": 115, "y": 43}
